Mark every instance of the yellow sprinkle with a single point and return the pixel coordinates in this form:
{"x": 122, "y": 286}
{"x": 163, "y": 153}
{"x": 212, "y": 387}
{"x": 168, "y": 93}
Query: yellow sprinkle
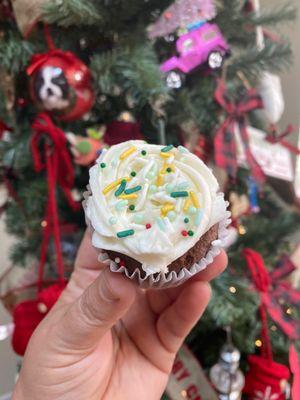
{"x": 132, "y": 196}
{"x": 127, "y": 153}
{"x": 194, "y": 199}
{"x": 166, "y": 208}
{"x": 114, "y": 184}
{"x": 166, "y": 155}
{"x": 187, "y": 204}
{"x": 160, "y": 180}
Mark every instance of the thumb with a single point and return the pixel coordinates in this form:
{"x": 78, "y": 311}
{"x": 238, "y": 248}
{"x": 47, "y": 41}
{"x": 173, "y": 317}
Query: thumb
{"x": 100, "y": 306}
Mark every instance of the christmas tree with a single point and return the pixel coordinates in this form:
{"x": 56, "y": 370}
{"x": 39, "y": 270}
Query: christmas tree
{"x": 115, "y": 53}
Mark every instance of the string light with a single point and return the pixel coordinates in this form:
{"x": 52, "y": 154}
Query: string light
{"x": 258, "y": 343}
{"x": 289, "y": 311}
{"x": 44, "y": 224}
{"x": 232, "y": 289}
{"x": 273, "y": 328}
{"x": 183, "y": 393}
{"x": 242, "y": 230}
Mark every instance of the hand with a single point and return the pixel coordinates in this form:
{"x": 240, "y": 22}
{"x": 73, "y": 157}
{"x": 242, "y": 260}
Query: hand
{"x": 107, "y": 339}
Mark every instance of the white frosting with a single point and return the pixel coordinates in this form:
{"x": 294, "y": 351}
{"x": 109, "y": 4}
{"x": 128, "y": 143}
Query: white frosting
{"x": 167, "y": 239}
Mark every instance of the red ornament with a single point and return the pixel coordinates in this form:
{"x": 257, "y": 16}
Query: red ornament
{"x": 28, "y": 314}
{"x": 120, "y": 131}
{"x": 266, "y": 379}
{"x": 60, "y": 83}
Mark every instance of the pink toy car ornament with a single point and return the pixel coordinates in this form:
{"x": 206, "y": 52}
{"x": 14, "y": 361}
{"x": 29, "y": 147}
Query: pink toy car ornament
{"x": 204, "y": 44}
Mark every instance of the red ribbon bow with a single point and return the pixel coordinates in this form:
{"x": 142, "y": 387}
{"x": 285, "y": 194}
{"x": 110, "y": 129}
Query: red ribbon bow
{"x": 225, "y": 143}
{"x": 59, "y": 169}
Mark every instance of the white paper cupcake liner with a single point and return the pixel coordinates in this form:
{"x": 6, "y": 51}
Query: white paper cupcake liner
{"x": 171, "y": 279}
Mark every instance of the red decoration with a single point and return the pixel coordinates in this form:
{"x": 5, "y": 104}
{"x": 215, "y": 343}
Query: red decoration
{"x": 28, "y": 314}
{"x": 225, "y": 144}
{"x": 120, "y": 131}
{"x": 275, "y": 138}
{"x": 4, "y": 128}
{"x": 60, "y": 83}
{"x": 84, "y": 149}
{"x": 266, "y": 379}
{"x": 202, "y": 149}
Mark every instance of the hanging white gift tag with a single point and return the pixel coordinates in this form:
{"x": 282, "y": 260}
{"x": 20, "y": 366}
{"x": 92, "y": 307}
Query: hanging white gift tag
{"x": 274, "y": 159}
{"x": 188, "y": 380}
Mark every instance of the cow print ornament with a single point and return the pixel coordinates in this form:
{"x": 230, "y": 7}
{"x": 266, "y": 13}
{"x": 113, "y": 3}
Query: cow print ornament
{"x": 60, "y": 84}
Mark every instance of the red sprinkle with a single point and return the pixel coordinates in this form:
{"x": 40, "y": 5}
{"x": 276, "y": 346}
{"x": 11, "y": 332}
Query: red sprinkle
{"x": 122, "y": 263}
{"x": 184, "y": 233}
{"x": 148, "y": 226}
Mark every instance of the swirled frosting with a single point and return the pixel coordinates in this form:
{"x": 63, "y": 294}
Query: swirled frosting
{"x": 152, "y": 203}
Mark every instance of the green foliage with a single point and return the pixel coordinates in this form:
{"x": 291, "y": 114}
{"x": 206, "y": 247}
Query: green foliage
{"x": 14, "y": 52}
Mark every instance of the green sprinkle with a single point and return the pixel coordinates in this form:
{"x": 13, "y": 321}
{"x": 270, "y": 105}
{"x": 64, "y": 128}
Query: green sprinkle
{"x": 121, "y": 204}
{"x": 191, "y": 233}
{"x": 182, "y": 186}
{"x": 103, "y": 165}
{"x": 182, "y": 149}
{"x": 161, "y": 224}
{"x": 167, "y": 148}
{"x": 186, "y": 220}
{"x": 169, "y": 169}
{"x": 131, "y": 207}
{"x": 198, "y": 217}
{"x": 171, "y": 215}
{"x": 169, "y": 188}
{"x": 192, "y": 210}
{"x": 121, "y": 188}
{"x": 153, "y": 189}
{"x": 133, "y": 174}
{"x": 143, "y": 152}
{"x": 179, "y": 194}
{"x": 124, "y": 234}
{"x": 112, "y": 220}
{"x": 133, "y": 190}
{"x": 138, "y": 218}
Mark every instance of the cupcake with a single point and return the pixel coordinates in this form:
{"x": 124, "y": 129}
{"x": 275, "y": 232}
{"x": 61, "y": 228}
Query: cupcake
{"x": 155, "y": 212}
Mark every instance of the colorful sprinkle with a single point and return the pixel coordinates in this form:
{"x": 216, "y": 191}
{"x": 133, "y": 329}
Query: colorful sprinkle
{"x": 131, "y": 196}
{"x": 143, "y": 152}
{"x": 179, "y": 194}
{"x": 160, "y": 180}
{"x": 166, "y": 208}
{"x": 169, "y": 188}
{"x": 148, "y": 226}
{"x": 124, "y": 234}
{"x": 182, "y": 149}
{"x": 153, "y": 189}
{"x": 133, "y": 174}
{"x": 161, "y": 224}
{"x": 195, "y": 200}
{"x": 121, "y": 204}
{"x": 117, "y": 260}
{"x": 138, "y": 218}
{"x": 165, "y": 155}
{"x": 186, "y": 220}
{"x": 102, "y": 165}
{"x": 133, "y": 190}
{"x": 167, "y": 148}
{"x": 192, "y": 210}
{"x": 132, "y": 207}
{"x": 121, "y": 188}
{"x": 191, "y": 233}
{"x": 184, "y": 233}
{"x": 187, "y": 204}
{"x": 112, "y": 220}
{"x": 198, "y": 217}
{"x": 127, "y": 153}
{"x": 112, "y": 185}
{"x": 169, "y": 170}
{"x": 171, "y": 215}
{"x": 150, "y": 175}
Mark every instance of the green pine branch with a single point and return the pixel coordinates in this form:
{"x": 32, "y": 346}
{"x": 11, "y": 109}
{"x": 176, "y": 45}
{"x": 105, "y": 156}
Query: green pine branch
{"x": 15, "y": 53}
